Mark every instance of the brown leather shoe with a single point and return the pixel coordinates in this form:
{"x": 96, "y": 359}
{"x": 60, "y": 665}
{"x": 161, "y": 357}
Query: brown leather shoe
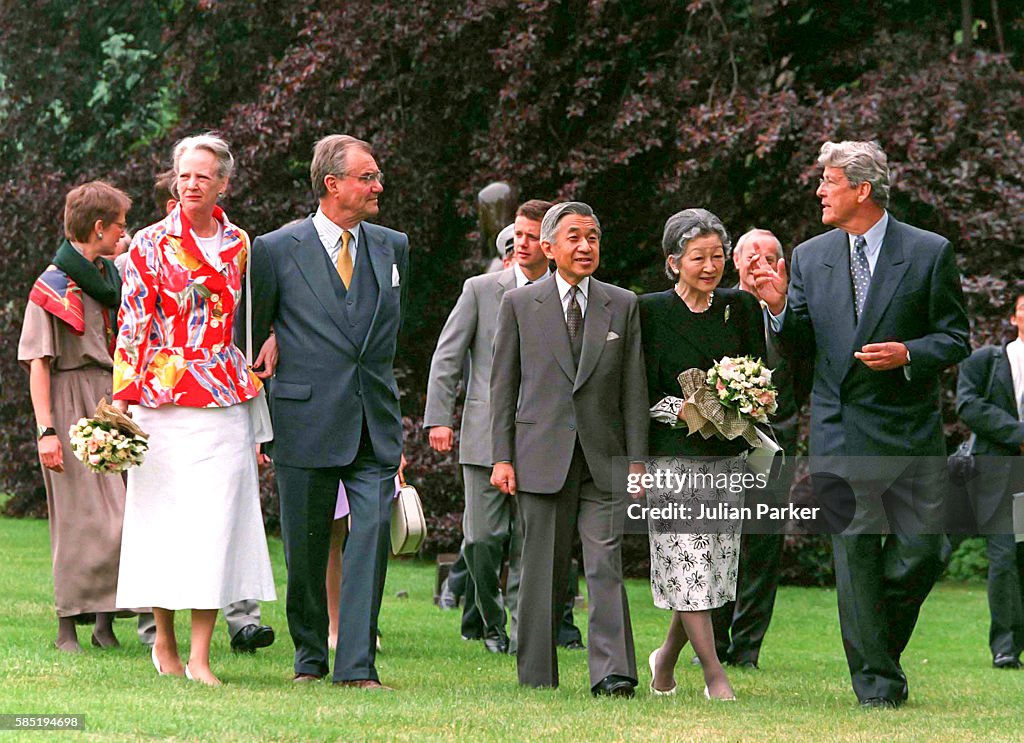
{"x": 368, "y": 684}
{"x": 301, "y": 678}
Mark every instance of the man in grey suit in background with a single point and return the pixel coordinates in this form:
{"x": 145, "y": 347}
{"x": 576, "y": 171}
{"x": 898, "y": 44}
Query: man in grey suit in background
{"x": 568, "y": 394}
{"x": 469, "y": 333}
{"x": 333, "y": 289}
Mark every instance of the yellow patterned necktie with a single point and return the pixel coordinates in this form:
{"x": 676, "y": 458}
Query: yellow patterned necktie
{"x": 344, "y": 264}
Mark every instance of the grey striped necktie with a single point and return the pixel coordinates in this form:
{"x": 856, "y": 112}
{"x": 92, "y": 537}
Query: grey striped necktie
{"x": 860, "y": 274}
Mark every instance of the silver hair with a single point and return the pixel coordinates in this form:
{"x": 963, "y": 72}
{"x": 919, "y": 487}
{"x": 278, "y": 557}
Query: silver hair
{"x": 330, "y": 158}
{"x": 737, "y": 251}
{"x": 861, "y": 162}
{"x": 213, "y": 144}
{"x": 682, "y": 227}
{"x": 554, "y": 215}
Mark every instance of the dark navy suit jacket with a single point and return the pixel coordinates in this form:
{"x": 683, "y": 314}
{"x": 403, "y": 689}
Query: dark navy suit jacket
{"x": 915, "y": 298}
{"x": 328, "y": 381}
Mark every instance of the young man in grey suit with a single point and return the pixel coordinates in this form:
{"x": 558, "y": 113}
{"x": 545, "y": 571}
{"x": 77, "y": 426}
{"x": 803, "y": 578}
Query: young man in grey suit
{"x": 333, "y": 288}
{"x": 469, "y": 333}
{"x": 878, "y": 305}
{"x": 990, "y": 399}
{"x": 568, "y": 394}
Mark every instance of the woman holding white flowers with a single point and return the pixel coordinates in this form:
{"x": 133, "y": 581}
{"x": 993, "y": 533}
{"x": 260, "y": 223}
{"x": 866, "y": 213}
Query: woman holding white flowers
{"x": 691, "y": 326}
{"x": 66, "y": 345}
{"x": 193, "y": 530}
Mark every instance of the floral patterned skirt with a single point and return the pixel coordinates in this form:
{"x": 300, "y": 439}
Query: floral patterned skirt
{"x": 694, "y": 560}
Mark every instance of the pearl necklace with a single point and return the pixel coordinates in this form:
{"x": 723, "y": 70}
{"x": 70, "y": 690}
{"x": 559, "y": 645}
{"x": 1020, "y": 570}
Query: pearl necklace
{"x": 711, "y": 300}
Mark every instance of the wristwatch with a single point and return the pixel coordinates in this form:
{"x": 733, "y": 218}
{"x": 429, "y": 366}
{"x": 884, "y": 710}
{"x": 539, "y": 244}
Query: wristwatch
{"x": 45, "y": 431}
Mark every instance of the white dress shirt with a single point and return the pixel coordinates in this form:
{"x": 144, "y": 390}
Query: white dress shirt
{"x": 581, "y": 295}
{"x": 1015, "y": 350}
{"x": 330, "y": 236}
{"x": 873, "y": 237}
{"x": 521, "y": 278}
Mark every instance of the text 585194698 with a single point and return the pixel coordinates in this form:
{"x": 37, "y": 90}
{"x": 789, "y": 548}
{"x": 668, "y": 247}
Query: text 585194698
{"x": 42, "y": 722}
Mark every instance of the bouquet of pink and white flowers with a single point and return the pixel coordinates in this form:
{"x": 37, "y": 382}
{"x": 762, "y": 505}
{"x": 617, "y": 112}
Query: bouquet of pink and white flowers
{"x": 745, "y": 385}
{"x": 728, "y": 399}
{"x": 109, "y": 442}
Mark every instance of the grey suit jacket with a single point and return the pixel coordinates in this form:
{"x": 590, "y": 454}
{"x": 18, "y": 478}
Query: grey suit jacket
{"x": 540, "y": 403}
{"x": 326, "y": 382}
{"x": 914, "y": 297}
{"x": 469, "y": 330}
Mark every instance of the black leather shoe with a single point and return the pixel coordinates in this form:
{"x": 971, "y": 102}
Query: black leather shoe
{"x": 447, "y": 599}
{"x": 251, "y": 637}
{"x": 615, "y": 686}
{"x": 1006, "y": 662}
{"x": 574, "y": 645}
{"x": 496, "y": 643}
{"x": 880, "y": 703}
{"x": 752, "y": 665}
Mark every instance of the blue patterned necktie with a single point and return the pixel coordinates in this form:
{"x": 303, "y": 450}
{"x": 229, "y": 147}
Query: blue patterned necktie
{"x": 860, "y": 274}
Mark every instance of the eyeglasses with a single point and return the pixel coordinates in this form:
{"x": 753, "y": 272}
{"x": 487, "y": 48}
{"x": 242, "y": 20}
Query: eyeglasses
{"x": 367, "y": 178}
{"x": 832, "y": 184}
{"x": 122, "y": 225}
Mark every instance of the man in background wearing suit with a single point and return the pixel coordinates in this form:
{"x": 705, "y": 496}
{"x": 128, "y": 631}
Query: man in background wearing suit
{"x": 740, "y": 625}
{"x": 333, "y": 289}
{"x": 469, "y": 333}
{"x": 990, "y": 399}
{"x": 878, "y": 305}
{"x": 569, "y": 393}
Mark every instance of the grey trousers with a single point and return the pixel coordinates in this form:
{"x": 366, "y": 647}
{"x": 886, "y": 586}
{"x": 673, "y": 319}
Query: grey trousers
{"x": 487, "y": 524}
{"x": 549, "y": 521}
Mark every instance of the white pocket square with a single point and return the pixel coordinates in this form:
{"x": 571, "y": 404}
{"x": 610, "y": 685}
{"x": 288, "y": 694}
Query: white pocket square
{"x": 612, "y": 335}
{"x": 394, "y": 276}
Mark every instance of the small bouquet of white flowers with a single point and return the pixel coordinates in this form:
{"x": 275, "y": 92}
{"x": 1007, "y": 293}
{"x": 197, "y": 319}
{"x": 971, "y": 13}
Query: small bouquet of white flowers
{"x": 729, "y": 398}
{"x": 109, "y": 442}
{"x": 744, "y": 384}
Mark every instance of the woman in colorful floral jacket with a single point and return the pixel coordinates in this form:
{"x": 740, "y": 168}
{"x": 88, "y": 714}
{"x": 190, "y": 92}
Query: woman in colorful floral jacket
{"x": 193, "y": 532}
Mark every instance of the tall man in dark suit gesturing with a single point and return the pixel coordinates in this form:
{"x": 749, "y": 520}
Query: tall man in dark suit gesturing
{"x": 878, "y": 305}
{"x": 333, "y": 288}
{"x": 569, "y": 393}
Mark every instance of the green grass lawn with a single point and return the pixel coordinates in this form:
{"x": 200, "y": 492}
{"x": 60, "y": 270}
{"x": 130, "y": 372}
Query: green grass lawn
{"x": 451, "y": 689}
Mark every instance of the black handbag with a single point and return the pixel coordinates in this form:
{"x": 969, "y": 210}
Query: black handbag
{"x": 960, "y": 465}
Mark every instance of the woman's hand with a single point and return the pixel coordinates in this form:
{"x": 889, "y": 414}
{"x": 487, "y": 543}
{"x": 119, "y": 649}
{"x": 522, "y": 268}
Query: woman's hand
{"x": 121, "y": 405}
{"x": 50, "y": 453}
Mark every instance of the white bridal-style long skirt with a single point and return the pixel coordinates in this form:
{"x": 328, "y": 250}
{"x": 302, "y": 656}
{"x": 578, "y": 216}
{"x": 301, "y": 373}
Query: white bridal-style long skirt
{"x": 193, "y": 530}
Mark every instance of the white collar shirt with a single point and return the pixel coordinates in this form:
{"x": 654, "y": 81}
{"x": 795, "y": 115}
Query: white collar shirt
{"x": 873, "y": 237}
{"x": 581, "y": 295}
{"x": 330, "y": 236}
{"x": 1015, "y": 350}
{"x": 522, "y": 280}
